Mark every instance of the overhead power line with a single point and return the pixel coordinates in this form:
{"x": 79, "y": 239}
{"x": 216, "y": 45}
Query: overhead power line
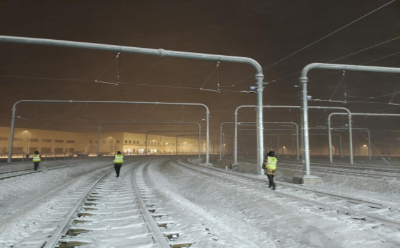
{"x": 320, "y": 39}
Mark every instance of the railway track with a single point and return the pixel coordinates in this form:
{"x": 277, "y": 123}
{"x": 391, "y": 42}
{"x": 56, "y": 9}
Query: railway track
{"x": 371, "y": 213}
{"x": 354, "y": 170}
{"x": 112, "y": 212}
{"x": 17, "y": 173}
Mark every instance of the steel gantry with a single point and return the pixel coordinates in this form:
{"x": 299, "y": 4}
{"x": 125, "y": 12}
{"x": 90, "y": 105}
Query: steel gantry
{"x": 147, "y": 122}
{"x": 355, "y": 114}
{"x": 304, "y": 99}
{"x": 14, "y": 110}
{"x": 248, "y": 124}
{"x": 235, "y": 140}
{"x": 307, "y": 161}
{"x": 259, "y": 76}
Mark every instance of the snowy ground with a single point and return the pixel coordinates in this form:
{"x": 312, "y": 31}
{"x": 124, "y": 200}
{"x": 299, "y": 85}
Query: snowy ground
{"x": 210, "y": 212}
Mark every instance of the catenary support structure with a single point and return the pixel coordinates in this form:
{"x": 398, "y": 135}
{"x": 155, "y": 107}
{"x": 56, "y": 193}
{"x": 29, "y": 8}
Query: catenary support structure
{"x": 355, "y": 114}
{"x": 259, "y": 76}
{"x": 14, "y": 110}
{"x": 304, "y": 99}
{"x": 248, "y": 124}
{"x": 235, "y": 140}
{"x": 305, "y": 161}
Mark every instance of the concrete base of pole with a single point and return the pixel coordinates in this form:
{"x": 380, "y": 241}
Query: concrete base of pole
{"x": 308, "y": 179}
{"x": 208, "y": 164}
{"x": 235, "y": 165}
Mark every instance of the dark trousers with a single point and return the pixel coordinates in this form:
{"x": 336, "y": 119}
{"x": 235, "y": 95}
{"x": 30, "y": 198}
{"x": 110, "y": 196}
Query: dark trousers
{"x": 35, "y": 165}
{"x": 271, "y": 180}
{"x": 117, "y": 168}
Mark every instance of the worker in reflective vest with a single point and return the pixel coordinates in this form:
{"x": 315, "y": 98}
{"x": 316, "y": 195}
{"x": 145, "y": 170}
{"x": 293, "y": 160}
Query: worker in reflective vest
{"x": 270, "y": 168}
{"x": 118, "y": 161}
{"x": 36, "y": 160}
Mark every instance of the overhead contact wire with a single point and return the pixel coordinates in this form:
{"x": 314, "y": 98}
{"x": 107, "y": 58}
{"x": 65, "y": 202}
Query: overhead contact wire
{"x": 324, "y": 37}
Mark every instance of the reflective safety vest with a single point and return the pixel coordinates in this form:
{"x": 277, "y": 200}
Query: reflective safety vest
{"x": 36, "y": 158}
{"x": 119, "y": 159}
{"x": 270, "y": 163}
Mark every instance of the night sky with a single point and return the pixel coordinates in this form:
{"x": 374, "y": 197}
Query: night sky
{"x": 267, "y": 31}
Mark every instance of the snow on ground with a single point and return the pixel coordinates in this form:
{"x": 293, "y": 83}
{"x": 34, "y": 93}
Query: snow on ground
{"x": 211, "y": 212}
{"x": 19, "y": 194}
{"x": 224, "y": 215}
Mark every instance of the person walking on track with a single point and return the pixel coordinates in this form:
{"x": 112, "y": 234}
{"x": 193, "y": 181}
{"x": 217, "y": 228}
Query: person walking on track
{"x": 36, "y": 160}
{"x": 118, "y": 161}
{"x": 269, "y": 166}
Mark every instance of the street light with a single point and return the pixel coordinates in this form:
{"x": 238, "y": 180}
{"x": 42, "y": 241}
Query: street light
{"x": 366, "y": 151}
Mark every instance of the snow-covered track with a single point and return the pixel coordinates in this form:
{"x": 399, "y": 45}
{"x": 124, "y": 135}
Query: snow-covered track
{"x": 375, "y": 213}
{"x": 17, "y": 173}
{"x": 115, "y": 212}
{"x": 358, "y": 170}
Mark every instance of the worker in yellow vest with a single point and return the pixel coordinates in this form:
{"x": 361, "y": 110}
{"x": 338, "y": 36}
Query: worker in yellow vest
{"x": 269, "y": 166}
{"x": 36, "y": 160}
{"x": 118, "y": 161}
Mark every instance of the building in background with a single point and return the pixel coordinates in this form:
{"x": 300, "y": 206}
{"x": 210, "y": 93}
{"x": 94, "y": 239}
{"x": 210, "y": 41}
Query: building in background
{"x": 50, "y": 143}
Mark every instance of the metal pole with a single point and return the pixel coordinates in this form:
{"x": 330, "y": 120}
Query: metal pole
{"x": 105, "y": 102}
{"x": 306, "y": 146}
{"x": 145, "y": 150}
{"x": 260, "y": 125}
{"x": 329, "y": 140}
{"x": 235, "y": 162}
{"x": 369, "y": 144}
{"x": 208, "y": 139}
{"x": 10, "y": 149}
{"x": 98, "y": 140}
{"x": 297, "y": 141}
{"x": 277, "y": 137}
{"x": 350, "y": 140}
{"x": 220, "y": 141}
{"x": 199, "y": 142}
{"x": 340, "y": 146}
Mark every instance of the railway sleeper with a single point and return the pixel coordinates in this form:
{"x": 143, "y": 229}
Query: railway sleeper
{"x": 76, "y": 232}
{"x": 158, "y": 216}
{"x": 171, "y": 236}
{"x": 71, "y": 244}
{"x": 89, "y": 204}
{"x": 164, "y": 224}
{"x": 181, "y": 245}
{"x": 80, "y": 222}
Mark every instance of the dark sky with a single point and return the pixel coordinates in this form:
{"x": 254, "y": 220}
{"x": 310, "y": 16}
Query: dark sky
{"x": 266, "y": 31}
